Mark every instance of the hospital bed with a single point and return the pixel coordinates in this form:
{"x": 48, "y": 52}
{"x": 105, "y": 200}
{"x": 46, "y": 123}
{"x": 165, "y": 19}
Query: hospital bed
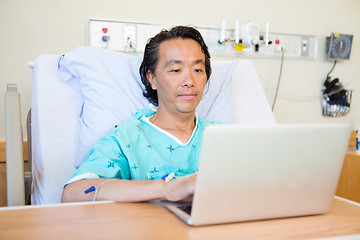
{"x": 77, "y": 97}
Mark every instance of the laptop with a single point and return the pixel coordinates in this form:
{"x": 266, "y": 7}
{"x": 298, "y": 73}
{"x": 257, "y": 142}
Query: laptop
{"x": 249, "y": 173}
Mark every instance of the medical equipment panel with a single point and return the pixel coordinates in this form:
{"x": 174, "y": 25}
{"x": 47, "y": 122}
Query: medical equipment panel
{"x": 246, "y": 40}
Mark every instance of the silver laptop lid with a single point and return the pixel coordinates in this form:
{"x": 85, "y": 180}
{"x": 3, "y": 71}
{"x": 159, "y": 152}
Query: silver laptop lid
{"x": 261, "y": 172}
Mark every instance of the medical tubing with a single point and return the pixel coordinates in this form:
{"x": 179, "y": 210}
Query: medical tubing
{"x": 327, "y": 76}
{"x": 278, "y": 84}
{"x": 99, "y": 186}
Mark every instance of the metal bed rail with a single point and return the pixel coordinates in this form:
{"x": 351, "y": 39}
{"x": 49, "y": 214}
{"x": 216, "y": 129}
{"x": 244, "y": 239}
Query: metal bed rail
{"x": 16, "y": 177}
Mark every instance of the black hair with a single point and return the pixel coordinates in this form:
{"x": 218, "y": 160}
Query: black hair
{"x": 151, "y": 55}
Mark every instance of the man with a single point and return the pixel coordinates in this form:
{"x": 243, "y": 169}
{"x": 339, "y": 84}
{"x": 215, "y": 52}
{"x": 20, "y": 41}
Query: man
{"x": 130, "y": 163}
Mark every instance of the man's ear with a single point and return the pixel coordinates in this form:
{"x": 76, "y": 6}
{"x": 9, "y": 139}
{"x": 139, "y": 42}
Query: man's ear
{"x": 151, "y": 78}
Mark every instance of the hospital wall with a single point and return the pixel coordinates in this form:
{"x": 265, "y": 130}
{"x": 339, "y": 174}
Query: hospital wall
{"x": 31, "y": 28}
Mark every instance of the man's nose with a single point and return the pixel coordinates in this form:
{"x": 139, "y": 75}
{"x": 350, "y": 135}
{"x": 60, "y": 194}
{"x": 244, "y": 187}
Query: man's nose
{"x": 189, "y": 79}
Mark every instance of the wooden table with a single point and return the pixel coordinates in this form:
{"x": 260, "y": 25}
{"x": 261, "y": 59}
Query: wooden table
{"x": 150, "y": 221}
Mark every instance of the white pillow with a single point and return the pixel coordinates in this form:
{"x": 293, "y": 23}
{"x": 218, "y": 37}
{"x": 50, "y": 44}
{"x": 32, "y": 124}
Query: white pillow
{"x": 111, "y": 90}
{"x": 217, "y": 101}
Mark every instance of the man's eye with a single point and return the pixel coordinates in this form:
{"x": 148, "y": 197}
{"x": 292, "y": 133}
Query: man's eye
{"x": 199, "y": 70}
{"x": 175, "y": 70}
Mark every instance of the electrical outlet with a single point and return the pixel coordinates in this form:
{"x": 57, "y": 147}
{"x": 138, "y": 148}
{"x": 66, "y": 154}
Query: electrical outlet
{"x": 289, "y": 43}
{"x": 296, "y": 47}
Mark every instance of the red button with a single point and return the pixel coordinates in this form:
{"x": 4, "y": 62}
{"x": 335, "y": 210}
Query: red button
{"x": 104, "y": 30}
{"x": 277, "y": 41}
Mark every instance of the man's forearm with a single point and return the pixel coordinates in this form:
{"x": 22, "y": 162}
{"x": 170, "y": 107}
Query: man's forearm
{"x": 130, "y": 190}
{"x": 118, "y": 190}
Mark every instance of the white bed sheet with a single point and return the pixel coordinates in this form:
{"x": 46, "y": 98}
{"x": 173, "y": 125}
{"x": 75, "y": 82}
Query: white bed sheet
{"x": 55, "y": 129}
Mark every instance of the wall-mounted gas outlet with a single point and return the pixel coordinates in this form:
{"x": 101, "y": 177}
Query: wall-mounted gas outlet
{"x": 105, "y": 34}
{"x": 305, "y": 45}
{"x": 121, "y": 36}
{"x": 129, "y": 37}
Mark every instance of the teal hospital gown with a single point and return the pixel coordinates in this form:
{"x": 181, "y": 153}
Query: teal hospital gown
{"x": 139, "y": 150}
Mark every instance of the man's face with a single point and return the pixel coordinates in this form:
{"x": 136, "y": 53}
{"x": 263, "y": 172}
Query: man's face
{"x": 180, "y": 75}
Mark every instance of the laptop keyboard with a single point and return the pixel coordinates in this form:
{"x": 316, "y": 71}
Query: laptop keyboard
{"x": 185, "y": 208}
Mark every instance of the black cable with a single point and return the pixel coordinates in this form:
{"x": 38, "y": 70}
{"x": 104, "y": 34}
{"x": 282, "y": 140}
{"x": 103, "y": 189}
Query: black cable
{"x": 327, "y": 76}
{"x": 278, "y": 84}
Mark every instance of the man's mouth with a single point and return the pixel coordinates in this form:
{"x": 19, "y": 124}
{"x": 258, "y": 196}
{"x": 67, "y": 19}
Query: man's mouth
{"x": 188, "y": 95}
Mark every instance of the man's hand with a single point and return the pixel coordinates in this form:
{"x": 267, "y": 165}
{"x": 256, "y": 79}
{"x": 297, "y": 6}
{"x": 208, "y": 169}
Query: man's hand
{"x": 181, "y": 188}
